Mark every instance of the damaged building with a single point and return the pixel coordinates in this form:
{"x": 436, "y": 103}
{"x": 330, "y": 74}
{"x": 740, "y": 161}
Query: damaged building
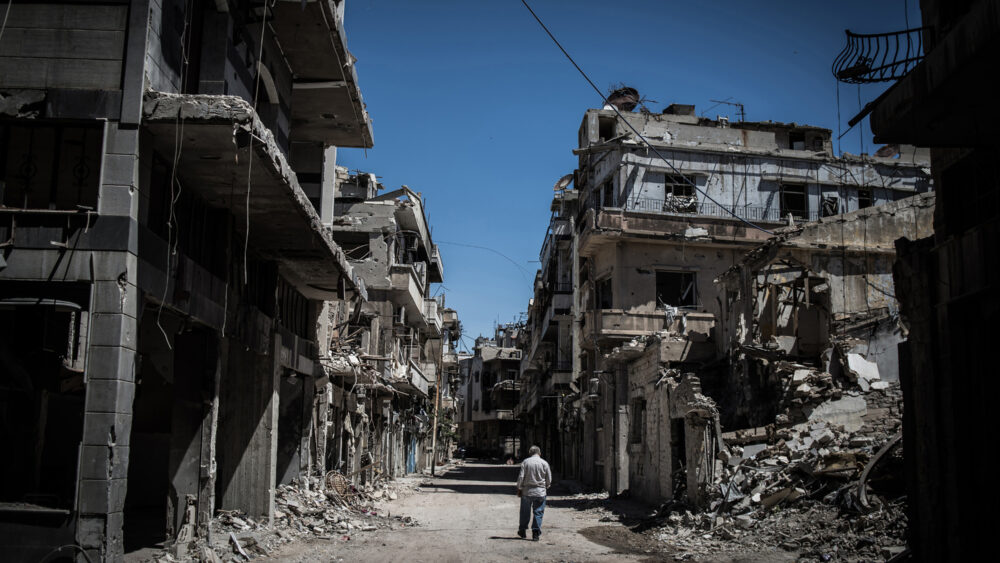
{"x": 402, "y": 358}
{"x": 627, "y": 346}
{"x": 491, "y": 393}
{"x": 180, "y": 330}
{"x": 946, "y": 281}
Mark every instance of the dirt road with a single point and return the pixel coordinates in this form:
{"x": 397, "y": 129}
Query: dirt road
{"x": 470, "y": 514}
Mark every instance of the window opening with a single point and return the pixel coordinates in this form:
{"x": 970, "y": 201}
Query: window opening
{"x": 604, "y": 300}
{"x": 794, "y": 201}
{"x": 676, "y": 289}
{"x": 864, "y": 198}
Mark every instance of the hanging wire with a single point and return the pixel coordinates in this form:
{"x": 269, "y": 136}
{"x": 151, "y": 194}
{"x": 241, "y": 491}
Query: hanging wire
{"x": 6, "y": 14}
{"x": 634, "y": 130}
{"x": 256, "y": 94}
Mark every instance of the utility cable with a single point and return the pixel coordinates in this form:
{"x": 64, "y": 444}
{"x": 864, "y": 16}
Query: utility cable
{"x": 256, "y": 93}
{"x": 634, "y": 130}
{"x": 502, "y": 255}
{"x": 6, "y": 15}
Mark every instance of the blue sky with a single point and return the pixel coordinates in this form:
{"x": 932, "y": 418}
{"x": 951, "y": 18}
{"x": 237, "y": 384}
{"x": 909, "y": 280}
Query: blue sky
{"x": 475, "y": 107}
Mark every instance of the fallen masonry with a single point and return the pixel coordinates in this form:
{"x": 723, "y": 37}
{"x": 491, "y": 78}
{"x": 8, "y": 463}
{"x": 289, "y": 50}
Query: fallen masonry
{"x": 337, "y": 511}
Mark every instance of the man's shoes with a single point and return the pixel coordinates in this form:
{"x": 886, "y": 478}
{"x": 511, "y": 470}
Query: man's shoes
{"x": 535, "y": 537}
{"x": 521, "y": 534}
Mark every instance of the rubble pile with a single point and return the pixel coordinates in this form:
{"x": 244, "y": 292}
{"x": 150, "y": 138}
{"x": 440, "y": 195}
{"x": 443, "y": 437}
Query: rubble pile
{"x": 815, "y": 488}
{"x": 301, "y": 511}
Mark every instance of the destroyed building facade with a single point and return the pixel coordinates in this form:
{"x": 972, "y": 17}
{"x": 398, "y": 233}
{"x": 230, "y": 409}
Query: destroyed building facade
{"x": 180, "y": 331}
{"x": 625, "y": 351}
{"x": 490, "y": 392}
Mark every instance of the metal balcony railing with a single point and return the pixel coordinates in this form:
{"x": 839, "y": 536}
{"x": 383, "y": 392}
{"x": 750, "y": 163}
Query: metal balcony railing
{"x": 879, "y": 57}
{"x": 748, "y": 212}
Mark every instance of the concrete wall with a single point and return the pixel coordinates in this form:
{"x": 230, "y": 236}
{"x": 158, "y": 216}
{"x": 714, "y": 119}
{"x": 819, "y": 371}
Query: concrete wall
{"x": 73, "y": 45}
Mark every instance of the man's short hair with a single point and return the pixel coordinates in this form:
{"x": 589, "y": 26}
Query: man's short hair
{"x": 534, "y": 450}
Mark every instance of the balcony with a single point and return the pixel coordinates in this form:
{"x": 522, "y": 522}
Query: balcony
{"x": 449, "y": 319}
{"x": 616, "y": 323}
{"x": 313, "y": 42}
{"x": 691, "y": 207}
{"x": 560, "y": 306}
{"x": 283, "y": 225}
{"x": 432, "y": 316}
{"x": 879, "y": 57}
{"x": 408, "y": 292}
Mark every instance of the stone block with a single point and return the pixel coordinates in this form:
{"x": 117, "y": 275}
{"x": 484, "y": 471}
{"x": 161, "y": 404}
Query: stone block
{"x": 110, "y": 266}
{"x": 109, "y": 395}
{"x": 107, "y": 429}
{"x": 113, "y": 329}
{"x": 90, "y": 532}
{"x": 115, "y": 297}
{"x": 111, "y": 362}
{"x": 122, "y": 140}
{"x": 102, "y": 496}
{"x": 120, "y": 169}
{"x": 93, "y": 499}
{"x": 118, "y": 200}
{"x": 104, "y": 462}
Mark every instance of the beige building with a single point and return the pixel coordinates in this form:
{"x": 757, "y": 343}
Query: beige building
{"x": 634, "y": 248}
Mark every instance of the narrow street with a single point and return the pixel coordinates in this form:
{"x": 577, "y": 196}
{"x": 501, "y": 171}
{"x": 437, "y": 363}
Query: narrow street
{"x": 470, "y": 514}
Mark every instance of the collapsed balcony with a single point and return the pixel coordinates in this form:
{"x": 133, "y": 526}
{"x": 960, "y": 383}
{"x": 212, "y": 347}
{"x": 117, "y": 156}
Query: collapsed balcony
{"x": 226, "y": 154}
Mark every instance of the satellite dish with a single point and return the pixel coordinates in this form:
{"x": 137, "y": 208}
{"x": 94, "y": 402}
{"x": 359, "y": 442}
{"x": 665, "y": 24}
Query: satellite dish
{"x": 563, "y": 182}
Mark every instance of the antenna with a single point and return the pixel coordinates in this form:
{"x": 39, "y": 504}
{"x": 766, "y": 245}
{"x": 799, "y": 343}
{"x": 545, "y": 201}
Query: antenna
{"x": 740, "y": 111}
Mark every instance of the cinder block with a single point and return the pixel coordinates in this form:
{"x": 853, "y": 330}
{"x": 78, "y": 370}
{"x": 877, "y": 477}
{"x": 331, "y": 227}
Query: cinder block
{"x": 118, "y": 200}
{"x": 107, "y": 429}
{"x": 110, "y": 395}
{"x": 114, "y": 297}
{"x": 120, "y": 169}
{"x": 113, "y": 329}
{"x": 111, "y": 363}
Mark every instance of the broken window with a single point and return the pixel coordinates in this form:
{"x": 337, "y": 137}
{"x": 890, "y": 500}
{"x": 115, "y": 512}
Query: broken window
{"x": 605, "y": 128}
{"x": 676, "y": 289}
{"x": 637, "y": 421}
{"x": 678, "y": 195}
{"x": 604, "y": 300}
{"x": 831, "y": 206}
{"x": 43, "y": 330}
{"x": 49, "y": 166}
{"x": 794, "y": 201}
{"x": 864, "y": 198}
{"x": 797, "y": 140}
{"x": 607, "y": 194}
{"x": 676, "y": 185}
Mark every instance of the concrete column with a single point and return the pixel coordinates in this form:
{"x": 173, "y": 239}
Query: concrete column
{"x": 111, "y": 353}
{"x": 247, "y": 431}
{"x": 328, "y": 185}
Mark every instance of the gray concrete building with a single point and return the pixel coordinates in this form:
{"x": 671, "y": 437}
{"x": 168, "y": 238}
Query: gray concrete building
{"x": 167, "y": 276}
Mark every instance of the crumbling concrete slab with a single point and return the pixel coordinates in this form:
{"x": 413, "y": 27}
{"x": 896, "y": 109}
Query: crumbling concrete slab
{"x": 847, "y": 412}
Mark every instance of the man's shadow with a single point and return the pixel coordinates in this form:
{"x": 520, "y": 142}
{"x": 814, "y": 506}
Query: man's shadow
{"x": 506, "y": 538}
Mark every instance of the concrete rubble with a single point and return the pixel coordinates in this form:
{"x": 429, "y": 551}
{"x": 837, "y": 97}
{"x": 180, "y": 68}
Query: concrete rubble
{"x": 335, "y": 512}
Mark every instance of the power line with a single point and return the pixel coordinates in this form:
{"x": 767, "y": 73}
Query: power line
{"x": 6, "y": 14}
{"x": 634, "y": 130}
{"x": 494, "y": 251}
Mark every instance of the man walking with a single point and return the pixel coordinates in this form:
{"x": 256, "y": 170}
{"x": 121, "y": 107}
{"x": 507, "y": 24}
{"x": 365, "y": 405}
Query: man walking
{"x": 532, "y": 483}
